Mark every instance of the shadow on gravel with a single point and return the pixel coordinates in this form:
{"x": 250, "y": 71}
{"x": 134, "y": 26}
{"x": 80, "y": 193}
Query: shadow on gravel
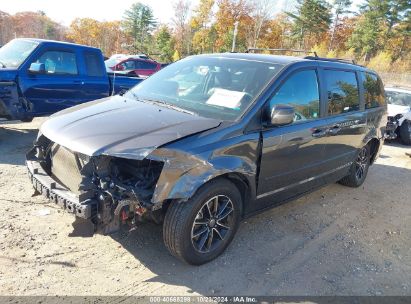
{"x": 322, "y": 244}
{"x": 14, "y": 143}
{"x": 20, "y": 260}
{"x": 396, "y": 143}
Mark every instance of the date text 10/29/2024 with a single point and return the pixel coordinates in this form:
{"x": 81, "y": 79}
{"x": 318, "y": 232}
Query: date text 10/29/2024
{"x": 202, "y": 299}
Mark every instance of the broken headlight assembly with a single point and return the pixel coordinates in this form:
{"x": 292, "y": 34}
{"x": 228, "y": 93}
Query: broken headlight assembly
{"x": 105, "y": 190}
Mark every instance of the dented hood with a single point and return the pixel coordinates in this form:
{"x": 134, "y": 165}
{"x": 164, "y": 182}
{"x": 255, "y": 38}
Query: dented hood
{"x": 393, "y": 109}
{"x": 121, "y": 127}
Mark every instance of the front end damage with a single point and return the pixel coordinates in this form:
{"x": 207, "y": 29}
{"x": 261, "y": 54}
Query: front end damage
{"x": 391, "y": 131}
{"x": 11, "y": 105}
{"x": 104, "y": 190}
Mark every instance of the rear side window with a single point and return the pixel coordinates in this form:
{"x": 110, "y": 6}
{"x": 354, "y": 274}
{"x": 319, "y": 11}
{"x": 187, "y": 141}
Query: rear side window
{"x": 145, "y": 65}
{"x": 94, "y": 66}
{"x": 342, "y": 90}
{"x": 301, "y": 92}
{"x": 59, "y": 62}
{"x": 374, "y": 91}
{"x": 128, "y": 65}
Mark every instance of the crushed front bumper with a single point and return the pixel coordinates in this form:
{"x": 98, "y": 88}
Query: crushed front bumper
{"x": 57, "y": 193}
{"x": 390, "y": 130}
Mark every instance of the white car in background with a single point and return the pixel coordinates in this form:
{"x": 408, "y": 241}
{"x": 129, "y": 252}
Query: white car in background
{"x": 399, "y": 114}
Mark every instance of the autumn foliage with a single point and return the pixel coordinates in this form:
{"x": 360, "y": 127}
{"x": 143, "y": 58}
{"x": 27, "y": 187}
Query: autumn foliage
{"x": 377, "y": 34}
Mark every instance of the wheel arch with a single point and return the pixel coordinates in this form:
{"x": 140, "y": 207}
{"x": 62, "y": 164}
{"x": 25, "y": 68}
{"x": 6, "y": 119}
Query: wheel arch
{"x": 239, "y": 180}
{"x": 243, "y": 186}
{"x": 374, "y": 144}
{"x": 405, "y": 117}
{"x": 184, "y": 174}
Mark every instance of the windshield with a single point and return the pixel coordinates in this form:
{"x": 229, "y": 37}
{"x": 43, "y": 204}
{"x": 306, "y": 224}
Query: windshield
{"x": 214, "y": 87}
{"x": 15, "y": 52}
{"x": 398, "y": 98}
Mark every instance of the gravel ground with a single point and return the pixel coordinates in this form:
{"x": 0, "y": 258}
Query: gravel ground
{"x": 335, "y": 241}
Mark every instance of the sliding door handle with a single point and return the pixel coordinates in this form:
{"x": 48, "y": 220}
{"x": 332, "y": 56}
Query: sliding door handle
{"x": 319, "y": 133}
{"x": 334, "y": 130}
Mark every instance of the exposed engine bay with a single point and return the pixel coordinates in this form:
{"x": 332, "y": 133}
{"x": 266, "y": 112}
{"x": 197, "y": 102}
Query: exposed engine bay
{"x": 112, "y": 191}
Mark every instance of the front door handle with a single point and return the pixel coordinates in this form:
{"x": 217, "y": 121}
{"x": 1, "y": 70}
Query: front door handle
{"x": 319, "y": 133}
{"x": 334, "y": 130}
{"x": 78, "y": 82}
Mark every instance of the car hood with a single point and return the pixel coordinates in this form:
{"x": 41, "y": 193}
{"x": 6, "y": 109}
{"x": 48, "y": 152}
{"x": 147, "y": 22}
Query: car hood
{"x": 393, "y": 109}
{"x": 121, "y": 127}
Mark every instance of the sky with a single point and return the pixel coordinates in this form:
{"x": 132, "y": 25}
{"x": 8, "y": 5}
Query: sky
{"x": 65, "y": 11}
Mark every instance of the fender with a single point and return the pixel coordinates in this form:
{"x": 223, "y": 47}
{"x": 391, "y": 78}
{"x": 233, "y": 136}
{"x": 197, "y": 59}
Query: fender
{"x": 183, "y": 174}
{"x": 372, "y": 133}
{"x": 405, "y": 116}
{"x": 376, "y": 124}
{"x": 371, "y": 136}
{"x": 11, "y": 105}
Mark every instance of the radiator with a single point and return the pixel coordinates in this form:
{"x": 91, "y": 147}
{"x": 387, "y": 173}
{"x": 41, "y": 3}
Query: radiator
{"x": 65, "y": 167}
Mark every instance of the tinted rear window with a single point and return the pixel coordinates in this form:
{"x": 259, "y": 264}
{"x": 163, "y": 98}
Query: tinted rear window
{"x": 94, "y": 65}
{"x": 342, "y": 90}
{"x": 145, "y": 65}
{"x": 374, "y": 91}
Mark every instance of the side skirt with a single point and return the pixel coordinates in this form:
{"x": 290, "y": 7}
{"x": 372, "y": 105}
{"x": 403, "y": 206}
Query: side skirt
{"x": 330, "y": 178}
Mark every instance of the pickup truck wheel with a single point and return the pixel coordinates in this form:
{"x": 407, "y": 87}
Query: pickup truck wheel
{"x": 27, "y": 119}
{"x": 359, "y": 169}
{"x": 199, "y": 230}
{"x": 405, "y": 132}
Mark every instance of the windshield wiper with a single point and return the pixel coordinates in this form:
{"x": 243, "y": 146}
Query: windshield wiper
{"x": 2, "y": 65}
{"x": 174, "y": 107}
{"x": 136, "y": 96}
{"x": 165, "y": 104}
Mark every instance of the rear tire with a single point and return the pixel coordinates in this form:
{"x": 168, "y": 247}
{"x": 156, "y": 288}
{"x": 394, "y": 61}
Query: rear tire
{"x": 359, "y": 169}
{"x": 405, "y": 132}
{"x": 199, "y": 230}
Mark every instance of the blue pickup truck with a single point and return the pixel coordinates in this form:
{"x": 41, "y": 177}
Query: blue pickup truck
{"x": 40, "y": 77}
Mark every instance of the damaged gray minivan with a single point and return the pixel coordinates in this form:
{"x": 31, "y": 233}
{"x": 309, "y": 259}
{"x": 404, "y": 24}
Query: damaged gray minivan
{"x": 208, "y": 141}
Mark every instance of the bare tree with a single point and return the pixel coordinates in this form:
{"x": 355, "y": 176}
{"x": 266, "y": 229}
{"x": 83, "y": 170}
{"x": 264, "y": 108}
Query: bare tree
{"x": 340, "y": 7}
{"x": 6, "y": 28}
{"x": 182, "y": 11}
{"x": 262, "y": 12}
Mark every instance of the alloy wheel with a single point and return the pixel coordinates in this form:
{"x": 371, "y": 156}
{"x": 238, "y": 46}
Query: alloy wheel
{"x": 212, "y": 224}
{"x": 361, "y": 163}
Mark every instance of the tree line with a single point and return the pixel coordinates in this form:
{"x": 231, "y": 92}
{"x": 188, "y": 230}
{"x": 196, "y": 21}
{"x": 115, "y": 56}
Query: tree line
{"x": 377, "y": 34}
{"x": 29, "y": 24}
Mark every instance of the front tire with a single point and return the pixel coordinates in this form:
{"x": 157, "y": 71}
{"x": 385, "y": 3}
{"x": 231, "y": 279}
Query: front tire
{"x": 405, "y": 132}
{"x": 199, "y": 230}
{"x": 359, "y": 169}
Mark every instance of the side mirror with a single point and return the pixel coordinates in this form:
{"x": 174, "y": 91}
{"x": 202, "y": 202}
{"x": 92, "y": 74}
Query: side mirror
{"x": 282, "y": 115}
{"x": 37, "y": 68}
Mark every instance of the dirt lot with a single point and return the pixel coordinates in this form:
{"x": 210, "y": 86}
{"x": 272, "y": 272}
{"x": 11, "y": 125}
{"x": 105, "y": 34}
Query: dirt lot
{"x": 336, "y": 241}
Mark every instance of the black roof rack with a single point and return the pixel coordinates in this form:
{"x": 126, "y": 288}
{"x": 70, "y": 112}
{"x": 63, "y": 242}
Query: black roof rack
{"x": 254, "y": 50}
{"x": 315, "y": 57}
{"x": 350, "y": 61}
